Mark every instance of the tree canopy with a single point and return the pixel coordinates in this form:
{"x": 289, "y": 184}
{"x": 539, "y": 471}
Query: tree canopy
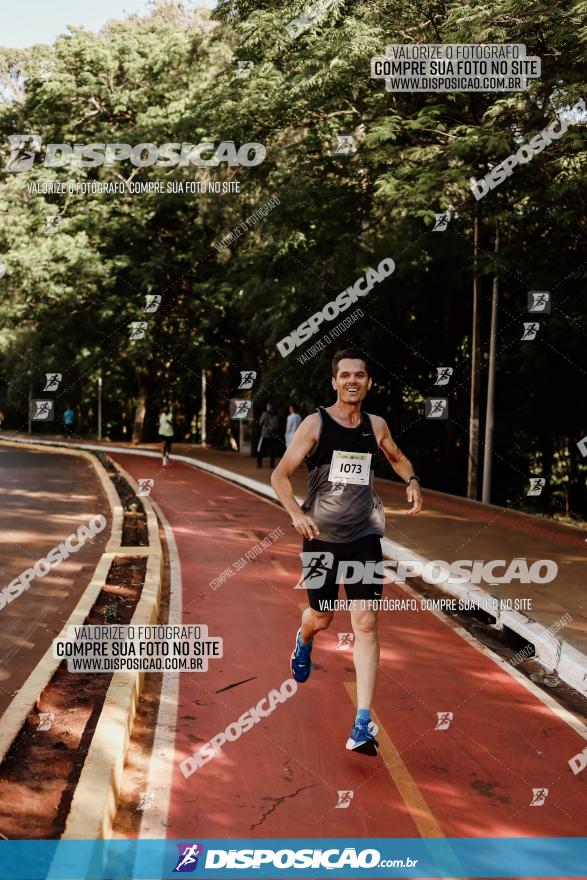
{"x": 78, "y": 266}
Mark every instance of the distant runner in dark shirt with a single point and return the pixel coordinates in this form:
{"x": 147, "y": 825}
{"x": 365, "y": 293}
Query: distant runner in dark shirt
{"x": 269, "y": 424}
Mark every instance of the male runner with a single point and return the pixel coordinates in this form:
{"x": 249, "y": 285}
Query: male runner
{"x": 338, "y": 443}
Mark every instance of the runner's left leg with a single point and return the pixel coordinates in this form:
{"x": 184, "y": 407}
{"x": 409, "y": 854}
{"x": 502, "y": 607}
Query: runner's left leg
{"x": 365, "y": 655}
{"x": 365, "y": 596}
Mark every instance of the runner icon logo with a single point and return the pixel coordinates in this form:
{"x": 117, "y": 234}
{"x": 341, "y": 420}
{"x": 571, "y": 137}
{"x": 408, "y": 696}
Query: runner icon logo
{"x": 443, "y": 375}
{"x": 444, "y": 719}
{"x": 244, "y": 69}
{"x": 345, "y": 641}
{"x": 537, "y": 484}
{"x": 241, "y": 409}
{"x": 539, "y": 795}
{"x": 137, "y": 329}
{"x": 539, "y": 301}
{"x": 145, "y": 487}
{"x": 530, "y": 330}
{"x": 247, "y": 379}
{"x": 315, "y": 566}
{"x": 46, "y": 720}
{"x": 52, "y": 224}
{"x": 344, "y": 800}
{"x": 345, "y": 145}
{"x": 146, "y": 799}
{"x": 441, "y": 221}
{"x": 436, "y": 408}
{"x": 52, "y": 381}
{"x": 23, "y": 151}
{"x": 42, "y": 410}
{"x": 187, "y": 860}
{"x": 152, "y": 302}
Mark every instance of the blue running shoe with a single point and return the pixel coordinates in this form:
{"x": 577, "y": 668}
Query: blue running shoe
{"x": 362, "y": 738}
{"x": 301, "y": 662}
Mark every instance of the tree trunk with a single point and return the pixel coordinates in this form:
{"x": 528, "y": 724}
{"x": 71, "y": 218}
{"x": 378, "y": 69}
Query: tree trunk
{"x": 547, "y": 454}
{"x": 473, "y": 464}
{"x": 490, "y": 405}
{"x": 575, "y": 486}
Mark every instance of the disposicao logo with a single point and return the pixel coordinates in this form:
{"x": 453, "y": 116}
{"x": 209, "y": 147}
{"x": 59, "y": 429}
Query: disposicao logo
{"x": 188, "y": 856}
{"x": 363, "y": 286}
{"x": 24, "y": 149}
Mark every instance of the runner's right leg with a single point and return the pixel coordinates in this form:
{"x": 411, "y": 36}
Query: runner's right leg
{"x": 320, "y": 613}
{"x": 312, "y": 622}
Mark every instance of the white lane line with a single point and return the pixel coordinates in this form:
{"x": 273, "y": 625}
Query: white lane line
{"x": 163, "y": 753}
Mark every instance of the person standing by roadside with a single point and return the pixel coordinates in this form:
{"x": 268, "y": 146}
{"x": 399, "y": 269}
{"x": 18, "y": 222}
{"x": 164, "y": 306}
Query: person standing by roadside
{"x": 293, "y": 422}
{"x": 269, "y": 424}
{"x": 68, "y": 420}
{"x": 166, "y": 433}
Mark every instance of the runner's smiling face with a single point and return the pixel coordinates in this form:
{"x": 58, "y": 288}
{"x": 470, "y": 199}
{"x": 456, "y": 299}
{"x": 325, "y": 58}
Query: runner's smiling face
{"x": 352, "y": 381}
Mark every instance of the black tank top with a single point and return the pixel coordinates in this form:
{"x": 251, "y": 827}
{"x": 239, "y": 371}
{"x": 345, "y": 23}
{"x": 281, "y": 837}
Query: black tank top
{"x": 343, "y": 512}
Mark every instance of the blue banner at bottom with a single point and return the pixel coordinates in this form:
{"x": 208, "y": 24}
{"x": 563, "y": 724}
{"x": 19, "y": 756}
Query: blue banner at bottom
{"x": 291, "y": 857}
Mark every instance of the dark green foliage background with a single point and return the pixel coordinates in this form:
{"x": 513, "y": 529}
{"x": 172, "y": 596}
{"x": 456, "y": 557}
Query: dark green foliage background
{"x": 67, "y": 299}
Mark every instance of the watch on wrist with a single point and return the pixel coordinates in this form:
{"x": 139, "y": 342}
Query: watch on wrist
{"x": 413, "y": 477}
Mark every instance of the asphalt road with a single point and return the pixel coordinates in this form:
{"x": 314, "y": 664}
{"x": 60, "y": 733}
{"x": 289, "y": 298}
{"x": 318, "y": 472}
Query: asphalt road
{"x": 44, "y": 497}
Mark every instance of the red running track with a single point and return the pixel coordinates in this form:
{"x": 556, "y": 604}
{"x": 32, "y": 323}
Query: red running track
{"x": 282, "y": 778}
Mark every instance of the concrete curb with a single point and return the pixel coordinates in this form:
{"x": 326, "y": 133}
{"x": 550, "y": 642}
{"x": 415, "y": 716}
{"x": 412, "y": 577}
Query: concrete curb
{"x": 95, "y": 801}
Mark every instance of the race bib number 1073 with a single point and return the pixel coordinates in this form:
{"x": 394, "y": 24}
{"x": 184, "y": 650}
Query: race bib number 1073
{"x": 350, "y": 467}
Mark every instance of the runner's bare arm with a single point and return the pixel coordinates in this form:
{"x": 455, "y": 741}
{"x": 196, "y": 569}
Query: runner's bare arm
{"x": 399, "y": 462}
{"x": 303, "y": 441}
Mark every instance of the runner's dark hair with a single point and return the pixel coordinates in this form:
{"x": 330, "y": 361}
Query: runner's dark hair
{"x": 355, "y": 354}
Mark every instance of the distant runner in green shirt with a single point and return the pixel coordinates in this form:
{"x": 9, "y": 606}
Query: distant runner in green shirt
{"x": 166, "y": 433}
